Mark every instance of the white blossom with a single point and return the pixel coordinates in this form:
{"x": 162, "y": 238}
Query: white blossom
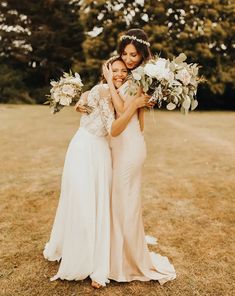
{"x": 174, "y": 82}
{"x": 159, "y": 69}
{"x": 184, "y": 76}
{"x": 68, "y": 89}
{"x": 65, "y": 91}
{"x": 65, "y": 101}
{"x": 136, "y": 75}
{"x": 57, "y": 95}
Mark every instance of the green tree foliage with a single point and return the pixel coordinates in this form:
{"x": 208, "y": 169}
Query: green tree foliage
{"x": 99, "y": 15}
{"x": 53, "y": 36}
{"x": 12, "y": 86}
{"x": 47, "y": 39}
{"x": 204, "y": 30}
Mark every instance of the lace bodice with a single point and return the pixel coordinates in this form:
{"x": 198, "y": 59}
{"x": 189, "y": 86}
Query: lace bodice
{"x": 99, "y": 121}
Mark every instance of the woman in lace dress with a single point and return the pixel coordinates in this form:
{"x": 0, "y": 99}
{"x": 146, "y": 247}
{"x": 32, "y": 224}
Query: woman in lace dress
{"x": 80, "y": 236}
{"x": 130, "y": 258}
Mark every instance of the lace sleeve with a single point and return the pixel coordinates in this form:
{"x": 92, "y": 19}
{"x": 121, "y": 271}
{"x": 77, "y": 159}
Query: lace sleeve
{"x": 106, "y": 108}
{"x": 83, "y": 98}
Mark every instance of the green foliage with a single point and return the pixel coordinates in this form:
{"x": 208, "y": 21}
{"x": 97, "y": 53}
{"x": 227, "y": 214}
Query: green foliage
{"x": 12, "y": 87}
{"x": 203, "y": 30}
{"x": 55, "y": 36}
{"x": 52, "y": 36}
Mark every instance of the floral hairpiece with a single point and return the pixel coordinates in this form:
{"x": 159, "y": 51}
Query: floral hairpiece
{"x": 112, "y": 58}
{"x": 135, "y": 38}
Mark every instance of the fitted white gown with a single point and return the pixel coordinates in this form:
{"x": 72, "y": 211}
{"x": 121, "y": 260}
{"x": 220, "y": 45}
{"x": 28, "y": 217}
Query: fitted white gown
{"x": 130, "y": 258}
{"x": 80, "y": 236}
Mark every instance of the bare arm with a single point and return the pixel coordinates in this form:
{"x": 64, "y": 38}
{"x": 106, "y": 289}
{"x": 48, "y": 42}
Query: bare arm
{"x": 116, "y": 126}
{"x": 141, "y": 118}
{"x": 116, "y": 99}
{"x": 119, "y": 104}
{"x": 120, "y": 124}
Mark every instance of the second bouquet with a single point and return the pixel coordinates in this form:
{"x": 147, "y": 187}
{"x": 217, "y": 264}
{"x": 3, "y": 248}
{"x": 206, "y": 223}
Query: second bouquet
{"x": 173, "y": 82}
{"x": 65, "y": 92}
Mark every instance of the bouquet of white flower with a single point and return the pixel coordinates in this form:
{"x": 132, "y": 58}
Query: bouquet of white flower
{"x": 174, "y": 82}
{"x": 64, "y": 92}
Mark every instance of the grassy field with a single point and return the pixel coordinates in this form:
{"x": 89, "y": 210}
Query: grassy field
{"x": 188, "y": 188}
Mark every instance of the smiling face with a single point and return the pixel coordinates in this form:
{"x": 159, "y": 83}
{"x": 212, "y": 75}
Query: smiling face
{"x": 131, "y": 57}
{"x": 119, "y": 73}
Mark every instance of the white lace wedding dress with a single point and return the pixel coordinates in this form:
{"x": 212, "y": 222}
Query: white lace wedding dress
{"x": 80, "y": 235}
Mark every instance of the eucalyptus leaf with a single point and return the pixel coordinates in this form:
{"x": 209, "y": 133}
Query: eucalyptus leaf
{"x": 172, "y": 67}
{"x": 171, "y": 106}
{"x": 183, "y": 110}
{"x": 176, "y": 100}
{"x": 186, "y": 104}
{"x": 180, "y": 58}
{"x": 194, "y": 104}
{"x": 145, "y": 88}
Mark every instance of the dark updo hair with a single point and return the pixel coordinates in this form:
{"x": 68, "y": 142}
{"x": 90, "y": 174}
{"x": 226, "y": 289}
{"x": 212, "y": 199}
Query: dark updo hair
{"x": 141, "y": 48}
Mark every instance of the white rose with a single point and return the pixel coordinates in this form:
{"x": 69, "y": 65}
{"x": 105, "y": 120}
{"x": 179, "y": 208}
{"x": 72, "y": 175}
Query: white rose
{"x": 151, "y": 70}
{"x": 65, "y": 101}
{"x": 184, "y": 76}
{"x": 163, "y": 70}
{"x": 136, "y": 75}
{"x": 159, "y": 70}
{"x": 161, "y": 63}
{"x": 68, "y": 90}
{"x": 75, "y": 81}
{"x": 57, "y": 95}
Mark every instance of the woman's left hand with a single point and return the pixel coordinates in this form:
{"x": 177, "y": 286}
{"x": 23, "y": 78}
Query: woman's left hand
{"x": 141, "y": 101}
{"x": 80, "y": 108}
{"x": 149, "y": 103}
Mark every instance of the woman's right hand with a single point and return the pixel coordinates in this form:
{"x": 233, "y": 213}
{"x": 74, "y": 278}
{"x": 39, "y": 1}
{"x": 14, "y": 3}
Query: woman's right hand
{"x": 80, "y": 108}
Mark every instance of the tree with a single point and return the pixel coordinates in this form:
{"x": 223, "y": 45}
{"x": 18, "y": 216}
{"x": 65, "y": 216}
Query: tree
{"x": 40, "y": 40}
{"x": 203, "y": 30}
{"x": 53, "y": 35}
{"x": 104, "y": 21}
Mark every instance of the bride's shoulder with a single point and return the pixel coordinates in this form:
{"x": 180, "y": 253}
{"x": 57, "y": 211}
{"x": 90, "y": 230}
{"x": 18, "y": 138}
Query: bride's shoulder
{"x": 122, "y": 89}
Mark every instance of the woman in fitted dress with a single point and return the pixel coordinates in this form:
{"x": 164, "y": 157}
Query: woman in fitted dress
{"x": 130, "y": 258}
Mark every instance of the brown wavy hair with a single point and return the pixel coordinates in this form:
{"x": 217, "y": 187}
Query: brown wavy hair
{"x": 141, "y": 48}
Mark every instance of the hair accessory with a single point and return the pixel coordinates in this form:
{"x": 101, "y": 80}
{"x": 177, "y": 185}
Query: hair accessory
{"x": 112, "y": 58}
{"x": 135, "y": 38}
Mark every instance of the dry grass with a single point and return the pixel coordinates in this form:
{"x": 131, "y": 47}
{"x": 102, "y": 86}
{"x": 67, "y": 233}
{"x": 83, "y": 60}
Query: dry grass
{"x": 188, "y": 188}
